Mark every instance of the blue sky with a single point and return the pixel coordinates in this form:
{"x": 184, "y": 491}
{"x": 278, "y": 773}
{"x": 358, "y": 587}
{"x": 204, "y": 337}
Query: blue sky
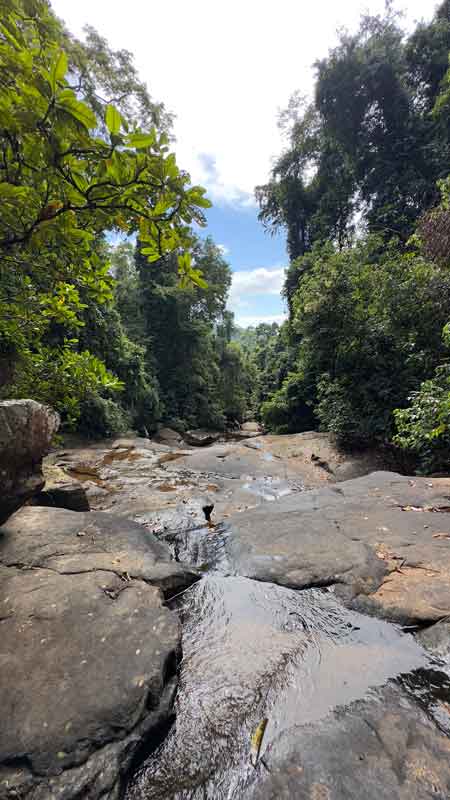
{"x": 225, "y": 69}
{"x": 256, "y": 258}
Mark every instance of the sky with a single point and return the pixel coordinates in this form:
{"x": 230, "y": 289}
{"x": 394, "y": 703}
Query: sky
{"x": 225, "y": 69}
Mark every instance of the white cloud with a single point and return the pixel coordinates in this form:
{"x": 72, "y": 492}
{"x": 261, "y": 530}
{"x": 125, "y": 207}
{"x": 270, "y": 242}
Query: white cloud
{"x": 225, "y": 69}
{"x": 223, "y": 249}
{"x": 259, "y": 281}
{"x": 247, "y": 321}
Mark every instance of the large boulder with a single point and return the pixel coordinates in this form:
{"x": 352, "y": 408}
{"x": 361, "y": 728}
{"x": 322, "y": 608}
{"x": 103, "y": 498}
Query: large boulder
{"x": 88, "y": 650}
{"x": 26, "y": 431}
{"x": 201, "y": 438}
{"x": 168, "y": 436}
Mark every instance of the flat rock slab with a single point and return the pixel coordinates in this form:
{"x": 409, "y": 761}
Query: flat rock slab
{"x": 70, "y": 542}
{"x": 88, "y": 651}
{"x": 379, "y": 749}
{"x": 384, "y": 538}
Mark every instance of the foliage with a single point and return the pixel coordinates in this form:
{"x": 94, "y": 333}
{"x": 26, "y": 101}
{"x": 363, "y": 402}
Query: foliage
{"x": 71, "y": 168}
{"x": 372, "y": 143}
{"x": 62, "y": 378}
{"x": 424, "y": 427}
{"x": 368, "y": 320}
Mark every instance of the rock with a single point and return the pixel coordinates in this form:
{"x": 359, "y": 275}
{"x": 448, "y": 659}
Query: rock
{"x": 354, "y": 468}
{"x": 88, "y": 650}
{"x": 76, "y": 542}
{"x": 61, "y": 491}
{"x": 383, "y": 539}
{"x": 291, "y": 545}
{"x": 254, "y": 651}
{"x": 252, "y": 427}
{"x": 68, "y": 696}
{"x": 380, "y": 748}
{"x": 436, "y": 639}
{"x": 168, "y": 436}
{"x": 201, "y": 438}
{"x": 26, "y": 431}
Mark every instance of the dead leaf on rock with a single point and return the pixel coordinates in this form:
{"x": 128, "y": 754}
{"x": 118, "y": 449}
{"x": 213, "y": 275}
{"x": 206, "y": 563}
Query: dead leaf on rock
{"x": 256, "y": 741}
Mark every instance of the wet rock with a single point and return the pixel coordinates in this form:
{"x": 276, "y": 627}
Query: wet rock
{"x": 254, "y": 651}
{"x": 61, "y": 491}
{"x": 201, "y": 438}
{"x": 384, "y": 537}
{"x": 26, "y": 431}
{"x": 380, "y": 748}
{"x": 87, "y": 647}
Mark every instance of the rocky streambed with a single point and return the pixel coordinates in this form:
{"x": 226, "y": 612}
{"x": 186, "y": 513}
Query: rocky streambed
{"x": 296, "y": 645}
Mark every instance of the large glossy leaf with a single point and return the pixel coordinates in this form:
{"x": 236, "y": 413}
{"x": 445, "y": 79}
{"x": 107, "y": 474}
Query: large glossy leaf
{"x": 58, "y": 70}
{"x": 78, "y": 110}
{"x": 140, "y": 140}
{"x": 113, "y": 120}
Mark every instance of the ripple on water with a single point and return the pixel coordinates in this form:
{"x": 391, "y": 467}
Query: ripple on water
{"x": 253, "y": 651}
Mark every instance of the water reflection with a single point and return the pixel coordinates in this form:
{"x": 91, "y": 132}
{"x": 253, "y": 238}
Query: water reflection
{"x": 253, "y": 651}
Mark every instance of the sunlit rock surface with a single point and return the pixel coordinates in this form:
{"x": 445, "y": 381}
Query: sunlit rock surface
{"x": 275, "y": 675}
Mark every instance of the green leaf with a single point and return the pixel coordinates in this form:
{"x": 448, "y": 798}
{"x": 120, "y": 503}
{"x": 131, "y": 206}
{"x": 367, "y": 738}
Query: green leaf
{"x": 8, "y": 35}
{"x": 113, "y": 120}
{"x": 78, "y": 110}
{"x": 194, "y": 275}
{"x": 140, "y": 140}
{"x": 58, "y": 70}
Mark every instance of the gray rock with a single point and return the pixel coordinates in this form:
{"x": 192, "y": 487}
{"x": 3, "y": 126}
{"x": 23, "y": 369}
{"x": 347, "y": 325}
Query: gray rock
{"x": 26, "y": 431}
{"x": 88, "y": 650}
{"x": 299, "y": 549}
{"x": 86, "y": 659}
{"x": 167, "y": 436}
{"x": 253, "y": 427}
{"x": 379, "y": 749}
{"x": 61, "y": 491}
{"x": 201, "y": 438}
{"x": 436, "y": 639}
{"x": 384, "y": 539}
{"x": 70, "y": 542}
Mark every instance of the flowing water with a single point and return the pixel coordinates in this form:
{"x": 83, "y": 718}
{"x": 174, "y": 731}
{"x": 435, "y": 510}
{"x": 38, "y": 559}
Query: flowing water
{"x": 257, "y": 653}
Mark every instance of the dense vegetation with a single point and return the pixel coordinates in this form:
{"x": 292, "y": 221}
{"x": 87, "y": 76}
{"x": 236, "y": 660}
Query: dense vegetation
{"x": 110, "y": 339}
{"x": 113, "y": 309}
{"x": 362, "y": 191}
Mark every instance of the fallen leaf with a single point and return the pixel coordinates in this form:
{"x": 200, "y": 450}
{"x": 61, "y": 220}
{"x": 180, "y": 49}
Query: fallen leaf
{"x": 441, "y": 535}
{"x": 256, "y": 741}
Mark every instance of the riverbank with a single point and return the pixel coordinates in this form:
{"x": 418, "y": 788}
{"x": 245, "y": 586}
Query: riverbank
{"x": 275, "y": 650}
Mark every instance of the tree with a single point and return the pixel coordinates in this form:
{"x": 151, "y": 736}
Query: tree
{"x": 179, "y": 328}
{"x": 72, "y": 168}
{"x": 369, "y": 144}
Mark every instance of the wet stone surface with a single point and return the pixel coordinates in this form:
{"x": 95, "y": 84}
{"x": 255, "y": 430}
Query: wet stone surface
{"x": 254, "y": 652}
{"x": 284, "y": 690}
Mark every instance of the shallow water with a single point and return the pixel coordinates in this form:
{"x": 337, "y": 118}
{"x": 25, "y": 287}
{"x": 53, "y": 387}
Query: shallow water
{"x": 254, "y": 651}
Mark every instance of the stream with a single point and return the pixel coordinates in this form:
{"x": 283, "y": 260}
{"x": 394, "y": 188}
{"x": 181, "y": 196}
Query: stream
{"x": 259, "y": 661}
{"x": 282, "y": 692}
